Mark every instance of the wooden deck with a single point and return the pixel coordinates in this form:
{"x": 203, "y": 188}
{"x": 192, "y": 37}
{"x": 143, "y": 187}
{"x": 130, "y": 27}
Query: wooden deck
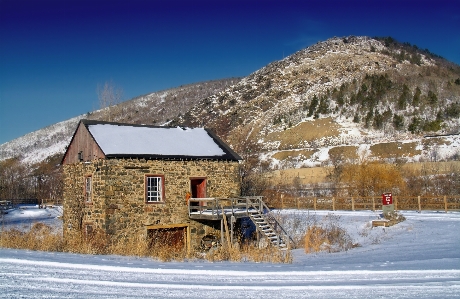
{"x": 233, "y": 208}
{"x": 215, "y": 208}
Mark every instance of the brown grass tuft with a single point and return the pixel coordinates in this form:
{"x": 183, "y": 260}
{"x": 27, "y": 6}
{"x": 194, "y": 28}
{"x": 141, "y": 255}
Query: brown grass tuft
{"x": 327, "y": 236}
{"x": 39, "y": 237}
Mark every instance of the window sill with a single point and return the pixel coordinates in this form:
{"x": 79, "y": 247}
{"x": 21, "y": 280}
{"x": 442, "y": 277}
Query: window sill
{"x": 154, "y": 202}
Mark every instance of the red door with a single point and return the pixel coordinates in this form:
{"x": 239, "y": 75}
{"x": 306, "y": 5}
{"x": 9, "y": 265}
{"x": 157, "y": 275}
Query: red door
{"x": 198, "y": 187}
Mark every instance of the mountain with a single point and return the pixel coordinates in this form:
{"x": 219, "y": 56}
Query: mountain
{"x": 342, "y": 98}
{"x": 156, "y": 108}
{"x": 346, "y": 94}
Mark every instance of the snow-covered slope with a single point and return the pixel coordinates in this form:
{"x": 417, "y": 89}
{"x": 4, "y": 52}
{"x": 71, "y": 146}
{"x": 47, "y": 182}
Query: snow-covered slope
{"x": 347, "y": 91}
{"x": 344, "y": 91}
{"x": 156, "y": 108}
{"x": 41, "y": 144}
{"x": 417, "y": 258}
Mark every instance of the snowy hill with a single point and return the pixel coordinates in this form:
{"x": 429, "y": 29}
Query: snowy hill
{"x": 353, "y": 91}
{"x": 156, "y": 108}
{"x": 372, "y": 97}
{"x": 41, "y": 144}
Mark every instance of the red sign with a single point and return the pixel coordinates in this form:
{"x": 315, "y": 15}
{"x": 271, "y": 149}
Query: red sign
{"x": 387, "y": 199}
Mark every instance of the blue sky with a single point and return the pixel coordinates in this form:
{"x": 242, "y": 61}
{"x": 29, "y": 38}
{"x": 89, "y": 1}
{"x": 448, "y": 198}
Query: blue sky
{"x": 54, "y": 53}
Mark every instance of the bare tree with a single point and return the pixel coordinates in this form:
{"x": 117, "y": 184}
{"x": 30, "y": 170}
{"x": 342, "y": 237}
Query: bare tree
{"x": 109, "y": 96}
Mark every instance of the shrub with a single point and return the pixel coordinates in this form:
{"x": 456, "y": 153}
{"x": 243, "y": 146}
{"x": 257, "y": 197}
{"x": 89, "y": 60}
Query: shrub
{"x": 327, "y": 236}
{"x": 432, "y": 126}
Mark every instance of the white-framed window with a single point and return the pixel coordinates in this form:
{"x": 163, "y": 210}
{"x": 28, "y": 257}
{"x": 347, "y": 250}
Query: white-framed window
{"x": 154, "y": 188}
{"x": 88, "y": 188}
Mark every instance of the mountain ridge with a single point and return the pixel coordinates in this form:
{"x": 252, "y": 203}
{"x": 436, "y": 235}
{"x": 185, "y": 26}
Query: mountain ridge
{"x": 361, "y": 90}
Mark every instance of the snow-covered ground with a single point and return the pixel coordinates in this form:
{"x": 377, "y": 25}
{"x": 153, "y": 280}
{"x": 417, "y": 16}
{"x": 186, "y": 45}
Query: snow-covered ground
{"x": 418, "y": 258}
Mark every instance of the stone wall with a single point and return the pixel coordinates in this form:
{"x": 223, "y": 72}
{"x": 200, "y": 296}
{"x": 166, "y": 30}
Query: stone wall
{"x": 118, "y": 204}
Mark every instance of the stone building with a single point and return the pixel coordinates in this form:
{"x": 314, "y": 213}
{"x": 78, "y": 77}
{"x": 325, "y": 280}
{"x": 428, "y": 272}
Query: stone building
{"x": 130, "y": 180}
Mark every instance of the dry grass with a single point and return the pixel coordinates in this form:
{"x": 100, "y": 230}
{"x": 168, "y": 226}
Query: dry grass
{"x": 394, "y": 150}
{"x": 305, "y": 175}
{"x": 305, "y": 131}
{"x": 345, "y": 152}
{"x": 39, "y": 237}
{"x": 327, "y": 235}
{"x": 431, "y": 168}
{"x": 435, "y": 141}
{"x": 42, "y": 238}
{"x": 283, "y": 155}
{"x": 249, "y": 253}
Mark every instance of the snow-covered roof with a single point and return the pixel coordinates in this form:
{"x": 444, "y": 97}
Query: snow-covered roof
{"x": 116, "y": 139}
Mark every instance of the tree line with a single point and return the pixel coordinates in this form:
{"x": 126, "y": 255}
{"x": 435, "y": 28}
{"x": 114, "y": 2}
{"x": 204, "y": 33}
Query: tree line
{"x": 41, "y": 181}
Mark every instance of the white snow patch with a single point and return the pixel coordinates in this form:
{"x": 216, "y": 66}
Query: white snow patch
{"x": 114, "y": 139}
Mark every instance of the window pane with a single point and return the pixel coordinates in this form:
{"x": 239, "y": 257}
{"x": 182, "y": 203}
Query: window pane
{"x": 154, "y": 189}
{"x": 88, "y": 188}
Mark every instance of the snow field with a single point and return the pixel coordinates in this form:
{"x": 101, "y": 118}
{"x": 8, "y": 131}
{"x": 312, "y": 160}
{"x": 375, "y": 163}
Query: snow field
{"x": 418, "y": 258}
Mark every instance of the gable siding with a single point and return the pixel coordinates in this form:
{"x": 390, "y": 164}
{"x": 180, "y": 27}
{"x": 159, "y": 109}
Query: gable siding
{"x": 85, "y": 143}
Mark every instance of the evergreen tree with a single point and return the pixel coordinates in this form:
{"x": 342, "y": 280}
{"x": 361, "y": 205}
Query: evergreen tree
{"x": 398, "y": 122}
{"x": 313, "y": 105}
{"x": 404, "y": 98}
{"x": 414, "y": 126}
{"x": 323, "y": 107}
{"x": 416, "y": 98}
{"x": 378, "y": 120}
{"x": 432, "y": 98}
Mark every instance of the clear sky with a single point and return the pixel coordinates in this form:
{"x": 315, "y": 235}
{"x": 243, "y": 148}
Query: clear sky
{"x": 54, "y": 53}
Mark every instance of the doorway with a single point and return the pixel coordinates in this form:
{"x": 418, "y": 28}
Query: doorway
{"x": 168, "y": 238}
{"x": 198, "y": 188}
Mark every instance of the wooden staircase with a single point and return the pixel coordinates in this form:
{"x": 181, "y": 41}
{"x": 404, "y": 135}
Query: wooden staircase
{"x": 267, "y": 225}
{"x": 245, "y": 206}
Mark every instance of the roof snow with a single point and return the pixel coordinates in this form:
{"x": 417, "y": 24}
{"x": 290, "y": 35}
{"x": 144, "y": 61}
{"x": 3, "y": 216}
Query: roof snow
{"x": 115, "y": 140}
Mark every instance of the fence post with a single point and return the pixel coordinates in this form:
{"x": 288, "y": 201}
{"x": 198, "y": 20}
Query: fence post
{"x": 333, "y": 204}
{"x": 445, "y": 203}
{"x": 395, "y": 201}
{"x": 352, "y": 203}
{"x": 419, "y": 204}
{"x": 298, "y": 203}
{"x": 314, "y": 203}
{"x": 282, "y": 201}
{"x": 373, "y": 204}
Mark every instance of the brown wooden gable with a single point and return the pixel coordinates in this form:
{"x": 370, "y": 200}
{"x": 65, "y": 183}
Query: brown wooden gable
{"x": 82, "y": 147}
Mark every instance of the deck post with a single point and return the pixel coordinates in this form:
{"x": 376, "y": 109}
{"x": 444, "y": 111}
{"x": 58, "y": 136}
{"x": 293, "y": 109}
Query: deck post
{"x": 373, "y": 204}
{"x": 232, "y": 220}
{"x": 445, "y": 203}
{"x": 352, "y": 204}
{"x": 419, "y": 204}
{"x": 314, "y": 203}
{"x": 222, "y": 231}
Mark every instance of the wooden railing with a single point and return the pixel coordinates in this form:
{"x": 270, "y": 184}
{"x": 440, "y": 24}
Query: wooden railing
{"x": 215, "y": 206}
{"x": 419, "y": 203}
{"x": 246, "y": 206}
{"x": 266, "y": 212}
